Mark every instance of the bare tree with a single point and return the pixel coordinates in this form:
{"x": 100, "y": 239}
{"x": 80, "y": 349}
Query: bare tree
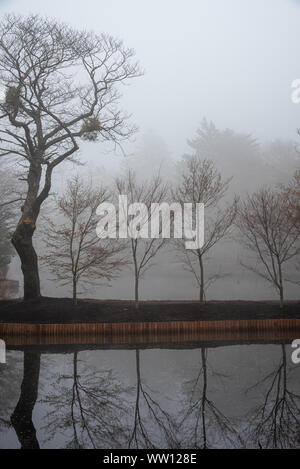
{"x": 74, "y": 251}
{"x": 61, "y": 86}
{"x": 200, "y": 182}
{"x": 143, "y": 250}
{"x": 270, "y": 232}
{"x": 291, "y": 192}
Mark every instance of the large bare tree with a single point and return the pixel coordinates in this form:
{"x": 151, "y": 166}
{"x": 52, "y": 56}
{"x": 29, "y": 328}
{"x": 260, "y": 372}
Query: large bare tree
{"x": 200, "y": 182}
{"x": 61, "y": 86}
{"x": 74, "y": 251}
{"x": 270, "y": 232}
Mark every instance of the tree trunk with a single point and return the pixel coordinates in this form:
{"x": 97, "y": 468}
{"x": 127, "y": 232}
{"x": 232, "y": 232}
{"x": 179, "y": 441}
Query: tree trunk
{"x": 280, "y": 282}
{"x": 22, "y": 241}
{"x": 136, "y": 292}
{"x": 22, "y": 237}
{"x": 74, "y": 292}
{"x": 201, "y": 292}
{"x": 281, "y": 296}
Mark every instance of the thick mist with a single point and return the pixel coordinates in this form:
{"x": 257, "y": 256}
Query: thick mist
{"x": 222, "y": 68}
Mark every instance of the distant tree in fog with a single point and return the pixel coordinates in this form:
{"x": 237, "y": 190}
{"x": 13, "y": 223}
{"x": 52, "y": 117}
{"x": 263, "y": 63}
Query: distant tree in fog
{"x": 269, "y": 231}
{"x": 74, "y": 253}
{"x": 281, "y": 158}
{"x": 150, "y": 156}
{"x": 234, "y": 154}
{"x": 6, "y": 249}
{"x": 61, "y": 86}
{"x": 291, "y": 193}
{"x": 6, "y": 218}
{"x": 200, "y": 182}
{"x": 242, "y": 156}
{"x": 142, "y": 251}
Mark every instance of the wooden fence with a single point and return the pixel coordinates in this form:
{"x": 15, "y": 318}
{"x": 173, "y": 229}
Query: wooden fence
{"x": 150, "y": 332}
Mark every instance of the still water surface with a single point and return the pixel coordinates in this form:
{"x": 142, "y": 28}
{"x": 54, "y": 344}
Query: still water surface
{"x": 228, "y": 396}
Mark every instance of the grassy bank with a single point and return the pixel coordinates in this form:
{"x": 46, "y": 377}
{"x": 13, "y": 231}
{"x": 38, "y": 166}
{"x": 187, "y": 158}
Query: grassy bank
{"x": 61, "y": 310}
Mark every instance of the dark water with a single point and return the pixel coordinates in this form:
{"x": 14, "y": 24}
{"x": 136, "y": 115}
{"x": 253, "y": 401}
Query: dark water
{"x": 215, "y": 397}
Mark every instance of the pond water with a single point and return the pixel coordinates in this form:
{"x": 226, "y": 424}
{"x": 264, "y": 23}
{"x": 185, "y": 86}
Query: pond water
{"x": 199, "y": 396}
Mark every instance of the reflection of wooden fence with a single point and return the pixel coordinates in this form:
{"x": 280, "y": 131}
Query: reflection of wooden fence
{"x": 150, "y": 332}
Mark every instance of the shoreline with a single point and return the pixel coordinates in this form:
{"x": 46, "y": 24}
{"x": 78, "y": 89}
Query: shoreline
{"x": 47, "y": 310}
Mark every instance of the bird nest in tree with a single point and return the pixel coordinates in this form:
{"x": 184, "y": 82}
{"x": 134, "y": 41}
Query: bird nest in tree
{"x": 12, "y": 99}
{"x": 90, "y": 128}
{"x": 12, "y": 95}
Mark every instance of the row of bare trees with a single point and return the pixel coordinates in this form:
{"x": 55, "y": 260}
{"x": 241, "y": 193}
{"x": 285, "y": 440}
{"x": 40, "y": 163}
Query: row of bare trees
{"x": 266, "y": 222}
{"x": 61, "y": 86}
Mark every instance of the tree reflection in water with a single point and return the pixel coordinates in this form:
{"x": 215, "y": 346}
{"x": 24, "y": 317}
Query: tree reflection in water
{"x": 276, "y": 422}
{"x": 153, "y": 427}
{"x": 92, "y": 407}
{"x": 204, "y": 425}
{"x": 21, "y": 418}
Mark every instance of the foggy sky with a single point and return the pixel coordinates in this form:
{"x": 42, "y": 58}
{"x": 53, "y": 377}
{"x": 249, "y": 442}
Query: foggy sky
{"x": 230, "y": 61}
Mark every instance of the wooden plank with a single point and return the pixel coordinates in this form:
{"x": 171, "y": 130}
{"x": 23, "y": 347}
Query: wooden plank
{"x": 149, "y": 332}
